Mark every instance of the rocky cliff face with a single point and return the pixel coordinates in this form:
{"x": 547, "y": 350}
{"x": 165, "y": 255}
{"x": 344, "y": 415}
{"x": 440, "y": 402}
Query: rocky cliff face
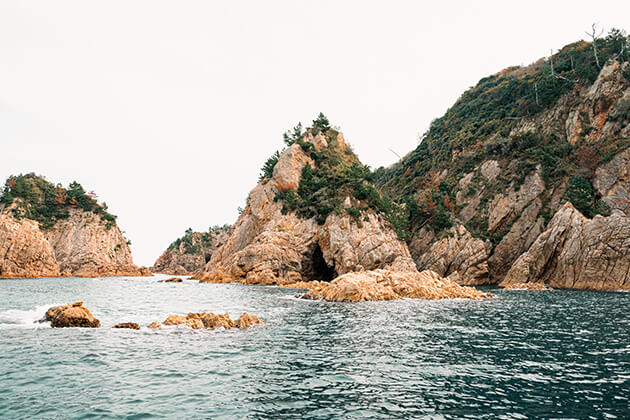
{"x": 46, "y": 231}
{"x": 190, "y": 253}
{"x": 85, "y": 247}
{"x": 508, "y": 168}
{"x": 24, "y": 250}
{"x": 576, "y": 252}
{"x": 269, "y": 246}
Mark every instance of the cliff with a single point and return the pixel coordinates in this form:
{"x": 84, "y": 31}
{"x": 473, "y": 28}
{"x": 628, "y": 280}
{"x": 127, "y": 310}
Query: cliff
{"x": 488, "y": 177}
{"x": 316, "y": 219}
{"x": 191, "y": 252}
{"x": 49, "y": 231}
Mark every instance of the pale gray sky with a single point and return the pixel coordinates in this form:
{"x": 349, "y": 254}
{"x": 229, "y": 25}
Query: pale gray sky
{"x": 168, "y": 109}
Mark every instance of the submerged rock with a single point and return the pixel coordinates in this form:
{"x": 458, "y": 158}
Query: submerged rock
{"x": 209, "y": 320}
{"x": 527, "y": 286}
{"x": 388, "y": 285}
{"x": 73, "y": 315}
{"x": 171, "y": 280}
{"x": 130, "y": 325}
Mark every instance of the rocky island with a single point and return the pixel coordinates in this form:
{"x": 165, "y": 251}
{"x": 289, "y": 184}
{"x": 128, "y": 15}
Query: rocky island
{"x": 47, "y": 230}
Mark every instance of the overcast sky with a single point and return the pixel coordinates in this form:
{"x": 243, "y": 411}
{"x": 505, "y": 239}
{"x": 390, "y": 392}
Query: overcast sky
{"x": 168, "y": 109}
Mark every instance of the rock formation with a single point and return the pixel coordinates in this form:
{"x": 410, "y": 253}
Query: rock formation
{"x": 191, "y": 252}
{"x": 171, "y": 280}
{"x": 576, "y": 252}
{"x": 208, "y": 320}
{"x": 50, "y": 231}
{"x": 388, "y": 285}
{"x": 269, "y": 246}
{"x": 73, "y": 315}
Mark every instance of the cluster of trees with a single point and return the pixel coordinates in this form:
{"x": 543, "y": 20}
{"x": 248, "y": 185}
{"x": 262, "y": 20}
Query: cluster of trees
{"x": 195, "y": 242}
{"x": 38, "y": 199}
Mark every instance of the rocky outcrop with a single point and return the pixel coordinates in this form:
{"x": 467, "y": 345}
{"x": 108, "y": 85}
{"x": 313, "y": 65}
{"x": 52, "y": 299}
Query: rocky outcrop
{"x": 73, "y": 315}
{"x": 190, "y": 253}
{"x": 576, "y": 252}
{"x": 24, "y": 250}
{"x": 86, "y": 247}
{"x": 526, "y": 286}
{"x": 388, "y": 285}
{"x": 269, "y": 247}
{"x": 127, "y": 325}
{"x": 208, "y": 320}
{"x": 458, "y": 256}
{"x": 612, "y": 181}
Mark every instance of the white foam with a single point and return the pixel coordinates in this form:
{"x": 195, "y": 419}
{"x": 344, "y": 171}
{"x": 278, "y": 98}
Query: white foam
{"x": 16, "y": 318}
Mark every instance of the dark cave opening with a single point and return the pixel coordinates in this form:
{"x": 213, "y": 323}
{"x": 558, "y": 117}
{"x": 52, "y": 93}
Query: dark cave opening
{"x": 321, "y": 269}
{"x": 207, "y": 257}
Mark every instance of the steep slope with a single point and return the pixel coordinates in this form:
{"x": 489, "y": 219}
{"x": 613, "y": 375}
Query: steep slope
{"x": 191, "y": 252}
{"x": 48, "y": 230}
{"x": 488, "y": 176}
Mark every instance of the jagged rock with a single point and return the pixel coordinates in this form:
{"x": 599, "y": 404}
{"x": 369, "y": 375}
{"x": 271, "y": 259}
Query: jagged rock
{"x": 73, "y": 315}
{"x": 612, "y": 180}
{"x": 518, "y": 240}
{"x": 208, "y": 320}
{"x": 457, "y": 255}
{"x": 129, "y": 325}
{"x": 387, "y": 285}
{"x": 171, "y": 280}
{"x": 154, "y": 325}
{"x": 576, "y": 252}
{"x": 24, "y": 250}
{"x": 504, "y": 207}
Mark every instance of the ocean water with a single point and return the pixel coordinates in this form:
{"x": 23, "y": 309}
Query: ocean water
{"x": 524, "y": 354}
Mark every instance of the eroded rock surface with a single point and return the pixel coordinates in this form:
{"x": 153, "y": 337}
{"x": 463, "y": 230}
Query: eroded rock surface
{"x": 458, "y": 256}
{"x": 128, "y": 325}
{"x": 576, "y": 252}
{"x": 73, "y": 315}
{"x": 612, "y": 180}
{"x": 388, "y": 285}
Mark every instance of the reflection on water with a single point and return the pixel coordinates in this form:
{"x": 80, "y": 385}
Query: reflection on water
{"x": 523, "y": 354}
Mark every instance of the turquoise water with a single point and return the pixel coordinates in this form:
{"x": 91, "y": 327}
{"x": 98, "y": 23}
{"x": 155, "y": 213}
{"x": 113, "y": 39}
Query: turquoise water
{"x": 521, "y": 355}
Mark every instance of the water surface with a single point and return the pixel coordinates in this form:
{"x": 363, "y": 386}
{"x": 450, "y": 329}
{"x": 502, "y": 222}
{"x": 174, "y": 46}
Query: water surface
{"x": 524, "y": 354}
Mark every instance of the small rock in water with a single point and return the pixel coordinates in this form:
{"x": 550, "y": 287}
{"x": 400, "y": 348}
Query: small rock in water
{"x": 208, "y": 320}
{"x": 171, "y": 280}
{"x": 74, "y": 315}
{"x": 130, "y": 325}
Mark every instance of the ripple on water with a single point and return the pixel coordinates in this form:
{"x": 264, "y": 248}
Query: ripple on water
{"x": 521, "y": 355}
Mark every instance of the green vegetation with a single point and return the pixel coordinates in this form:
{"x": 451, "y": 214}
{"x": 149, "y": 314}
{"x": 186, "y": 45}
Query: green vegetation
{"x": 481, "y": 126}
{"x": 581, "y": 194}
{"x": 195, "y": 242}
{"x": 267, "y": 169}
{"x": 35, "y": 198}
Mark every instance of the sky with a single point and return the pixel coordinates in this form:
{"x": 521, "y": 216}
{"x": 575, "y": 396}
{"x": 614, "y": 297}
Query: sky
{"x": 168, "y": 109}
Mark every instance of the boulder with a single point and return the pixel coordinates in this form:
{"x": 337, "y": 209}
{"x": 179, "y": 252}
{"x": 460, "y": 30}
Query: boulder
{"x": 171, "y": 280}
{"x": 73, "y": 315}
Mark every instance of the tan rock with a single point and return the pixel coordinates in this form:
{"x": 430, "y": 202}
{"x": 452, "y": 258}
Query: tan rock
{"x": 576, "y": 252}
{"x": 154, "y": 325}
{"x": 458, "y": 256}
{"x": 129, "y": 325}
{"x": 288, "y": 170}
{"x": 73, "y": 315}
{"x": 171, "y": 280}
{"x": 208, "y": 320}
{"x": 490, "y": 169}
{"x": 24, "y": 250}
{"x": 387, "y": 285}
{"x": 527, "y": 286}
{"x": 612, "y": 180}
